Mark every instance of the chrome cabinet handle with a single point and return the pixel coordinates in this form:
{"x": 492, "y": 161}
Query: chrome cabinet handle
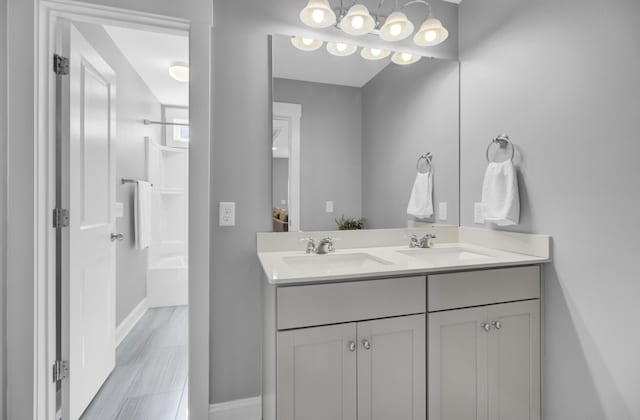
{"x": 117, "y": 237}
{"x": 497, "y": 324}
{"x": 352, "y": 346}
{"x": 485, "y": 326}
{"x": 366, "y": 344}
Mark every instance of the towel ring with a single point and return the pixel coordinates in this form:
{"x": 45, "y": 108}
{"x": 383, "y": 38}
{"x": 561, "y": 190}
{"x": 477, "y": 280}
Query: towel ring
{"x": 427, "y": 157}
{"x": 503, "y": 141}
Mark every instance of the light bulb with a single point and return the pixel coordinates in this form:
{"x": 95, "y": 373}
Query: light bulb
{"x": 357, "y": 22}
{"x": 179, "y": 71}
{"x": 430, "y": 36}
{"x": 395, "y": 29}
{"x": 307, "y": 41}
{"x": 406, "y": 56}
{"x": 375, "y": 51}
{"x": 341, "y": 47}
{"x": 317, "y": 15}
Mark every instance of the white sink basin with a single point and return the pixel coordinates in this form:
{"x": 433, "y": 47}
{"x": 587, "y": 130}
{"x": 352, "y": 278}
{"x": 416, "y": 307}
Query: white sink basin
{"x": 445, "y": 255}
{"x": 334, "y": 262}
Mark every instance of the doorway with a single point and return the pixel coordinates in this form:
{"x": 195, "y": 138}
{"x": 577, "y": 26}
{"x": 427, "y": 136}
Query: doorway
{"x": 122, "y": 145}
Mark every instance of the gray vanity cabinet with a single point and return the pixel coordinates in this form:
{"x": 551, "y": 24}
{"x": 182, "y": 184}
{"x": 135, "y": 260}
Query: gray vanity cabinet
{"x": 484, "y": 362}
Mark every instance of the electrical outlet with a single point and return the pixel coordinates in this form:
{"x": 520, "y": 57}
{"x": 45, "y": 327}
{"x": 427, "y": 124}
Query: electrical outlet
{"x": 478, "y": 213}
{"x": 442, "y": 211}
{"x": 328, "y": 206}
{"x": 119, "y": 209}
{"x": 227, "y": 214}
{"x": 283, "y": 202}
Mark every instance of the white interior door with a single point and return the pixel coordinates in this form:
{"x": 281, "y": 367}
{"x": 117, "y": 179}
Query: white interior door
{"x": 287, "y": 117}
{"x": 87, "y": 129}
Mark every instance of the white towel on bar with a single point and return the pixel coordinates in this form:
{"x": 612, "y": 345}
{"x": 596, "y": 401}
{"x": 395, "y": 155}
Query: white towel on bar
{"x": 421, "y": 201}
{"x": 142, "y": 211}
{"x": 500, "y": 197}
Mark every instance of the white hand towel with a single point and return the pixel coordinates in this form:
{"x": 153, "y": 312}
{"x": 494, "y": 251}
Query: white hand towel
{"x": 500, "y": 197}
{"x": 142, "y": 210}
{"x": 421, "y": 201}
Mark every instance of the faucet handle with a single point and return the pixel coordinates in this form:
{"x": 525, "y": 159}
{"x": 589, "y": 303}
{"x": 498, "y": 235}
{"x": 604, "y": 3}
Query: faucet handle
{"x": 311, "y": 244}
{"x": 413, "y": 241}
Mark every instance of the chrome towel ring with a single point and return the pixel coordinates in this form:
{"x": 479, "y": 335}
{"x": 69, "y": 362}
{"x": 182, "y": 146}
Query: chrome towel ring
{"x": 427, "y": 157}
{"x": 503, "y": 141}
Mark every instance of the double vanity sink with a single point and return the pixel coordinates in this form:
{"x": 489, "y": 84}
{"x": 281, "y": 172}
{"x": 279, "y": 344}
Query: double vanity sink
{"x": 378, "y": 329}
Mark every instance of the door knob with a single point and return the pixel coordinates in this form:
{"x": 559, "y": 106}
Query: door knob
{"x": 485, "y": 326}
{"x": 366, "y": 344}
{"x": 117, "y": 237}
{"x": 497, "y": 324}
{"x": 352, "y": 346}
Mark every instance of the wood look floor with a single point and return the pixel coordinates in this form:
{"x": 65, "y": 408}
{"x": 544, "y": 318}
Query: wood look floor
{"x": 149, "y": 381}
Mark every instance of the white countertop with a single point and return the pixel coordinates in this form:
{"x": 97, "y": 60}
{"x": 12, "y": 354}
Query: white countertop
{"x": 396, "y": 263}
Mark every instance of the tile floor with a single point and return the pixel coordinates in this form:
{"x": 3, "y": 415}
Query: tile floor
{"x": 149, "y": 381}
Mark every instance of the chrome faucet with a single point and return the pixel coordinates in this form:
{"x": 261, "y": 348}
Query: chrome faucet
{"x": 311, "y": 245}
{"x": 425, "y": 242}
{"x": 325, "y": 246}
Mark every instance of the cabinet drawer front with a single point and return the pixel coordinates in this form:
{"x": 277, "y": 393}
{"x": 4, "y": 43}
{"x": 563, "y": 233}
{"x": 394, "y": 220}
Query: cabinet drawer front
{"x": 322, "y": 304}
{"x": 475, "y": 288}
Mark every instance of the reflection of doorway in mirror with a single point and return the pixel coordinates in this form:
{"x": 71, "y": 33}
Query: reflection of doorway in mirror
{"x": 286, "y": 164}
{"x": 176, "y": 135}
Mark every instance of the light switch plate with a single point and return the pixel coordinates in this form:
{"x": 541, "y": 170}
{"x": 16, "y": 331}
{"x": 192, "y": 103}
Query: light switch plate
{"x": 478, "y": 213}
{"x": 119, "y": 209}
{"x": 328, "y": 206}
{"x": 442, "y": 211}
{"x": 227, "y": 214}
{"x": 283, "y": 202}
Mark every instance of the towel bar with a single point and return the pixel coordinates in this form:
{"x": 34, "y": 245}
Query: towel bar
{"x": 132, "y": 181}
{"x": 503, "y": 141}
{"x": 427, "y": 157}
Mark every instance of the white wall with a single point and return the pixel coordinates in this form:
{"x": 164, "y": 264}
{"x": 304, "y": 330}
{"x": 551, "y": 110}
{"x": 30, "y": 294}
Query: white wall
{"x": 21, "y": 274}
{"x": 3, "y": 203}
{"x": 242, "y": 173}
{"x": 563, "y": 79}
{"x": 134, "y": 103}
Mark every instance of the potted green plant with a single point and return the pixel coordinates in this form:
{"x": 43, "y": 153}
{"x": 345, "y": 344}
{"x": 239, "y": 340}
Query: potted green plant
{"x": 350, "y": 223}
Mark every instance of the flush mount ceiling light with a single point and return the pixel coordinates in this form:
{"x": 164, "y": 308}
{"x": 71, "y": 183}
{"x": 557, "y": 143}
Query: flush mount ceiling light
{"x": 179, "y": 71}
{"x": 358, "y": 20}
{"x": 374, "y": 53}
{"x": 431, "y": 33}
{"x": 403, "y": 58}
{"x": 318, "y": 14}
{"x": 306, "y": 44}
{"x": 341, "y": 49}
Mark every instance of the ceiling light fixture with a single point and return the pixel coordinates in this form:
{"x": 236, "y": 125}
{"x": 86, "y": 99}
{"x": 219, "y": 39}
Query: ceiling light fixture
{"x": 305, "y": 43}
{"x": 318, "y": 14}
{"x": 374, "y": 53}
{"x": 179, "y": 71}
{"x": 341, "y": 49}
{"x": 358, "y": 20}
{"x": 403, "y": 58}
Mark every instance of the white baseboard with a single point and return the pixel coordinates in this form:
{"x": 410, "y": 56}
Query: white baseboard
{"x": 131, "y": 320}
{"x": 246, "y": 409}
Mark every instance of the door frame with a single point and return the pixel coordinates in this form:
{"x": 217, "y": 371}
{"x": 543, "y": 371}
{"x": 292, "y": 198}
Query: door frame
{"x": 48, "y": 13}
{"x": 292, "y": 114}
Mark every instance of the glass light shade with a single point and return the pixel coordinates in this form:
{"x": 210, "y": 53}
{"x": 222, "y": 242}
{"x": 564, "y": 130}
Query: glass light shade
{"x": 396, "y": 27}
{"x": 179, "y": 72}
{"x": 341, "y": 49}
{"x": 431, "y": 33}
{"x": 358, "y": 21}
{"x": 374, "y": 53}
{"x": 404, "y": 59}
{"x": 318, "y": 14}
{"x": 306, "y": 44}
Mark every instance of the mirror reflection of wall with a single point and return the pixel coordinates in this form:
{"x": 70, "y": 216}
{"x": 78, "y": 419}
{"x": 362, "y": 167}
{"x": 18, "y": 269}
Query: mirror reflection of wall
{"x": 363, "y": 125}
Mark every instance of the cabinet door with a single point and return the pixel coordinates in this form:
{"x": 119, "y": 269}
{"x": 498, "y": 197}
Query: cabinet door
{"x": 514, "y": 361}
{"x": 392, "y": 369}
{"x": 458, "y": 365}
{"x": 316, "y": 373}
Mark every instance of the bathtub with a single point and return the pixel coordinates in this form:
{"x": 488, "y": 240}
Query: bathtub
{"x": 167, "y": 282}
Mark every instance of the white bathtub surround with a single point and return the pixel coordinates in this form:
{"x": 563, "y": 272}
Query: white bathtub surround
{"x": 386, "y": 253}
{"x": 125, "y": 327}
{"x": 167, "y": 282}
{"x": 245, "y": 409}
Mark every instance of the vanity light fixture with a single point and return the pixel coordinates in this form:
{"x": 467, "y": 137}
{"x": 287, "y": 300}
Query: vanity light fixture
{"x": 318, "y": 14}
{"x": 306, "y": 44}
{"x": 358, "y": 20}
{"x": 179, "y": 71}
{"x": 374, "y": 53}
{"x": 341, "y": 49}
{"x": 403, "y": 58}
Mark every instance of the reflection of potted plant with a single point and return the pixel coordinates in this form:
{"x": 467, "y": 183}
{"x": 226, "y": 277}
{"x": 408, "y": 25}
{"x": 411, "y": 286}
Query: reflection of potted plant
{"x": 350, "y": 223}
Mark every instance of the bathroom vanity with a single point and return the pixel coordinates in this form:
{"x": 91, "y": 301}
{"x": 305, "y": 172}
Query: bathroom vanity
{"x": 380, "y": 330}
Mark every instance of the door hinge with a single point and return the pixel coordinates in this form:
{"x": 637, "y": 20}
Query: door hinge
{"x": 60, "y": 65}
{"x": 60, "y": 218}
{"x": 60, "y": 370}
